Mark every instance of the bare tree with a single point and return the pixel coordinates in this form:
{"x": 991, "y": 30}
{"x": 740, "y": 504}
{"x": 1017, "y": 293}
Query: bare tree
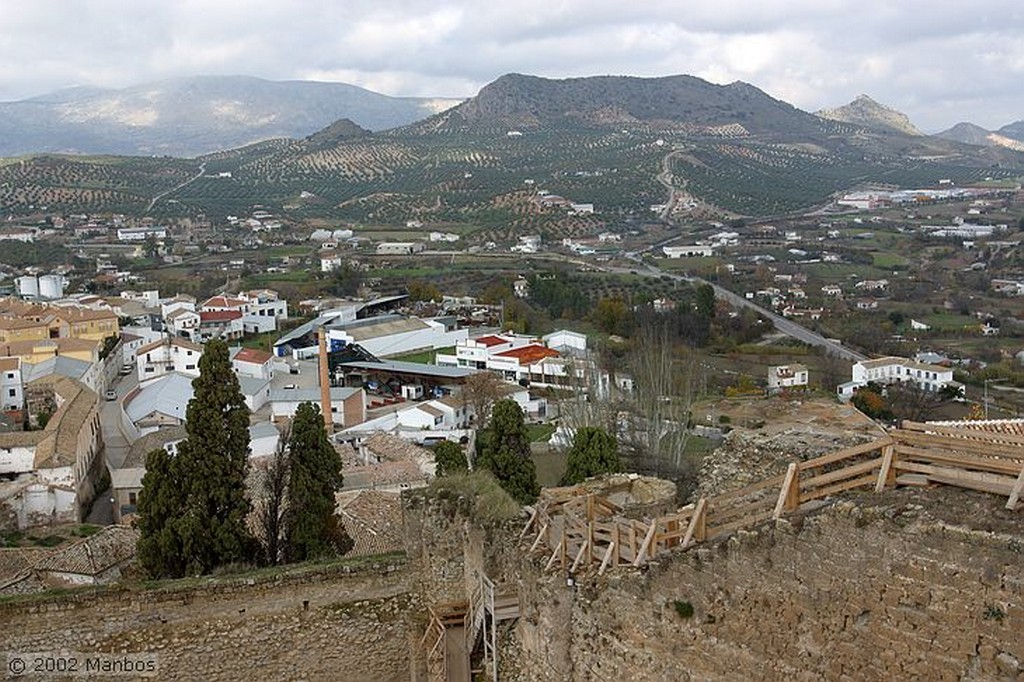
{"x": 270, "y": 504}
{"x": 655, "y": 428}
{"x": 481, "y": 391}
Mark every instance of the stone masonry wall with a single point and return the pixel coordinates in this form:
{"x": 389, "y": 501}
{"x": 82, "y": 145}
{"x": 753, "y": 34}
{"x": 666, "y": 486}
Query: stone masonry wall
{"x": 907, "y": 585}
{"x": 326, "y": 624}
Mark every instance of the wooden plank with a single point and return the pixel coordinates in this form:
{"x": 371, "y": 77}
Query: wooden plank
{"x": 579, "y": 556}
{"x": 646, "y": 545}
{"x": 979, "y": 448}
{"x": 772, "y": 482}
{"x": 840, "y": 474}
{"x": 886, "y": 475}
{"x": 974, "y": 480}
{"x": 845, "y": 453}
{"x": 726, "y": 515}
{"x": 999, "y": 466}
{"x": 540, "y": 536}
{"x": 607, "y": 558}
{"x": 745, "y": 522}
{"x": 789, "y": 495}
{"x": 919, "y": 480}
{"x": 554, "y": 556}
{"x": 1013, "y": 503}
{"x": 838, "y": 488}
{"x": 959, "y": 433}
{"x": 696, "y": 530}
{"x": 529, "y": 523}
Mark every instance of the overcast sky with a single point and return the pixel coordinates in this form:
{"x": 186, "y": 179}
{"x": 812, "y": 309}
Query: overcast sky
{"x": 939, "y": 61}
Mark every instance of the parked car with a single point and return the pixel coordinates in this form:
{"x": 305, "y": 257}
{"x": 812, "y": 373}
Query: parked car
{"x": 111, "y": 394}
{"x": 126, "y": 370}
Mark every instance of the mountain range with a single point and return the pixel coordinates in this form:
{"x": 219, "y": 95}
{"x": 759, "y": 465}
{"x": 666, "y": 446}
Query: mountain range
{"x": 612, "y": 140}
{"x": 191, "y": 116}
{"x": 187, "y": 117}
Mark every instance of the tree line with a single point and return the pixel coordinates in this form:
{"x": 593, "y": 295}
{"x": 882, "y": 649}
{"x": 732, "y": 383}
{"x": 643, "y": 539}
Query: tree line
{"x": 195, "y": 514}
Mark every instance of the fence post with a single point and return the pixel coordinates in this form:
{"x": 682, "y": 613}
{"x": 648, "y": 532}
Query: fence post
{"x": 887, "y": 474}
{"x": 1018, "y": 489}
{"x": 789, "y": 495}
{"x": 698, "y": 529}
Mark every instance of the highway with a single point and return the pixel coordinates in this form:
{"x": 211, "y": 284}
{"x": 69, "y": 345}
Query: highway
{"x": 784, "y": 325}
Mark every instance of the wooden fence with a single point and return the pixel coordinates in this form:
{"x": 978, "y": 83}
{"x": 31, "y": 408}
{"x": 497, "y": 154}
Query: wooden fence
{"x": 577, "y": 528}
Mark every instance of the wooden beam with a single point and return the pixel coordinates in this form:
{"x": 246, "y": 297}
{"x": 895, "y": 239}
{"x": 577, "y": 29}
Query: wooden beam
{"x": 696, "y": 531}
{"x": 579, "y": 556}
{"x": 845, "y": 453}
{"x": 529, "y": 523}
{"x": 607, "y": 558}
{"x": 540, "y": 536}
{"x": 645, "y": 547}
{"x": 887, "y": 474}
{"x": 554, "y": 556}
{"x": 789, "y": 495}
{"x": 809, "y": 484}
{"x": 999, "y": 465}
{"x": 1013, "y": 503}
{"x": 843, "y": 486}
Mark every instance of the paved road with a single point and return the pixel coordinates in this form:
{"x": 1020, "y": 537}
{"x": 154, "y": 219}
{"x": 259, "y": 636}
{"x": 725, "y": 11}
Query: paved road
{"x": 115, "y": 444}
{"x": 784, "y": 325}
{"x": 158, "y": 197}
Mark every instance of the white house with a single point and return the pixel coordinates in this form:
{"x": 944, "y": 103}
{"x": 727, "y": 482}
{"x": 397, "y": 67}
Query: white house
{"x": 171, "y": 354}
{"x": 787, "y": 376}
{"x": 249, "y": 362}
{"x": 12, "y": 389}
{"x": 329, "y": 262}
{"x": 892, "y": 369}
{"x": 184, "y": 323}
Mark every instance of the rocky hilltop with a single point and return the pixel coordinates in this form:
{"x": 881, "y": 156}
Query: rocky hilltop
{"x": 867, "y": 113}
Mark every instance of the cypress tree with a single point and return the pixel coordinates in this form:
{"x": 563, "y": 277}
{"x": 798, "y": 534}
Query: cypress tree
{"x": 313, "y": 529}
{"x": 504, "y": 449}
{"x": 593, "y": 452}
{"x": 159, "y": 548}
{"x": 207, "y": 479}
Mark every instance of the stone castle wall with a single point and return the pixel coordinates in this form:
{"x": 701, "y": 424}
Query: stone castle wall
{"x": 847, "y": 593}
{"x": 329, "y": 624}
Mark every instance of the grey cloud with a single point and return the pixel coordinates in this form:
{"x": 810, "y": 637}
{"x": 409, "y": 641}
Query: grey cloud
{"x": 938, "y": 62}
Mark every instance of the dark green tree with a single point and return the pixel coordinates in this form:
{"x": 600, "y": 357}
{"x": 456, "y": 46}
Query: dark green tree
{"x": 706, "y": 301}
{"x": 206, "y": 525}
{"x": 159, "y": 549}
{"x": 313, "y": 529}
{"x": 504, "y": 450}
{"x": 450, "y": 458}
{"x": 594, "y": 451}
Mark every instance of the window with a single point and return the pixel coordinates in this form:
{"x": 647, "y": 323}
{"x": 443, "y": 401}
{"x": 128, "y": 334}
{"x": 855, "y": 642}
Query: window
{"x": 132, "y": 498}
{"x": 190, "y": 366}
{"x": 10, "y": 375}
{"x": 11, "y": 392}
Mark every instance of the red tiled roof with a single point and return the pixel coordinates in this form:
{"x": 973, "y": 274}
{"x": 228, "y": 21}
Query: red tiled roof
{"x": 491, "y": 340}
{"x": 256, "y": 357}
{"x": 219, "y": 315}
{"x": 224, "y": 302}
{"x": 528, "y": 354}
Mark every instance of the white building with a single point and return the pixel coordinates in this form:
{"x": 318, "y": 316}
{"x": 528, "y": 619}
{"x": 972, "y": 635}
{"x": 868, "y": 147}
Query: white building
{"x": 249, "y": 362}
{"x": 12, "y": 388}
{"x": 892, "y": 369}
{"x": 171, "y": 354}
{"x": 139, "y": 234}
{"x": 389, "y": 335}
{"x": 688, "y": 251}
{"x": 787, "y": 376}
{"x": 399, "y": 248}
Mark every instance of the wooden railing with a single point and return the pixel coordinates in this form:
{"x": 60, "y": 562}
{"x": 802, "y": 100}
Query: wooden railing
{"x": 577, "y": 528}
